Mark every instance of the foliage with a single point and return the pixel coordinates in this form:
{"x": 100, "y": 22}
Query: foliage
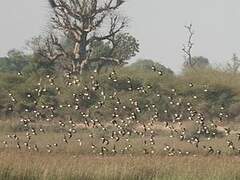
{"x": 197, "y": 62}
{"x": 15, "y": 61}
{"x": 147, "y": 64}
{"x": 219, "y": 93}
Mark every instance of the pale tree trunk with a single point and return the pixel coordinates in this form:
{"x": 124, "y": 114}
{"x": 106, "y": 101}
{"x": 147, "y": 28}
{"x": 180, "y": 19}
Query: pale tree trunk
{"x": 79, "y": 21}
{"x": 80, "y": 55}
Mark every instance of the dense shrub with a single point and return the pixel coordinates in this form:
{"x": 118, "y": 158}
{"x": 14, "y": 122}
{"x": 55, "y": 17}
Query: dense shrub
{"x": 213, "y": 88}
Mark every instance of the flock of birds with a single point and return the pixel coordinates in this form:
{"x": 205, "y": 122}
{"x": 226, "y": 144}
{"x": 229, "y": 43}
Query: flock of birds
{"x": 116, "y": 134}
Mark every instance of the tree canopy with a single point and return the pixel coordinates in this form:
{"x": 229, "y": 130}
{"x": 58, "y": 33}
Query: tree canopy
{"x": 147, "y": 64}
{"x": 88, "y": 24}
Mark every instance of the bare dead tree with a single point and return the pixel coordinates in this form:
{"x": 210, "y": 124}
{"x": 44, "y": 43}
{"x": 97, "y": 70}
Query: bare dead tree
{"x": 83, "y": 22}
{"x": 234, "y": 64}
{"x": 187, "y": 48}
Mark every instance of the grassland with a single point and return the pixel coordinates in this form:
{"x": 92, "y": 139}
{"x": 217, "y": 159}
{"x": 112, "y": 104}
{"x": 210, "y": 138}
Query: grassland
{"x": 72, "y": 161}
{"x": 65, "y": 166}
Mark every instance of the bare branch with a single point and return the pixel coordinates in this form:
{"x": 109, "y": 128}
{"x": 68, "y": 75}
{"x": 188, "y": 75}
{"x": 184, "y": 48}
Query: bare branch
{"x": 187, "y": 49}
{"x": 116, "y": 25}
{"x": 109, "y": 6}
{"x": 51, "y": 48}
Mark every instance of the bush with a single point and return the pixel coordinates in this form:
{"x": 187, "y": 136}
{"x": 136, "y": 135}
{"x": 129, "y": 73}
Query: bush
{"x": 234, "y": 110}
{"x": 223, "y": 89}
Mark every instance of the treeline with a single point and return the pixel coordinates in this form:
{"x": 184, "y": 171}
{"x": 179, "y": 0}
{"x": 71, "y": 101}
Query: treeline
{"x": 152, "y": 84}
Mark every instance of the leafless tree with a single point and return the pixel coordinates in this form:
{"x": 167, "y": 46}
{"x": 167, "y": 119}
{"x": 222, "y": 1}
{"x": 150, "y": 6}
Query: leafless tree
{"x": 83, "y": 22}
{"x": 234, "y": 65}
{"x": 187, "y": 48}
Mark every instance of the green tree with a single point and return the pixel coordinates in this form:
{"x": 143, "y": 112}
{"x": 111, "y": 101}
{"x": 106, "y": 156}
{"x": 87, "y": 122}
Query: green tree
{"x": 126, "y": 47}
{"x": 15, "y": 61}
{"x": 147, "y": 64}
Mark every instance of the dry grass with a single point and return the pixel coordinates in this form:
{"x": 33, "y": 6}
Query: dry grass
{"x": 71, "y": 161}
{"x": 57, "y": 166}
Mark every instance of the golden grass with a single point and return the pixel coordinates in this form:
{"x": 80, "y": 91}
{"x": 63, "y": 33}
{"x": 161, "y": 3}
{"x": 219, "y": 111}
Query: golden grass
{"x": 57, "y": 166}
{"x": 71, "y": 161}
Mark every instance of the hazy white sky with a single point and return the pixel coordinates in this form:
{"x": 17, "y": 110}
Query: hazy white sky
{"x": 157, "y": 24}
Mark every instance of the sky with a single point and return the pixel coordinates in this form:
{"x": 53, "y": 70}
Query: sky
{"x": 157, "y": 24}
